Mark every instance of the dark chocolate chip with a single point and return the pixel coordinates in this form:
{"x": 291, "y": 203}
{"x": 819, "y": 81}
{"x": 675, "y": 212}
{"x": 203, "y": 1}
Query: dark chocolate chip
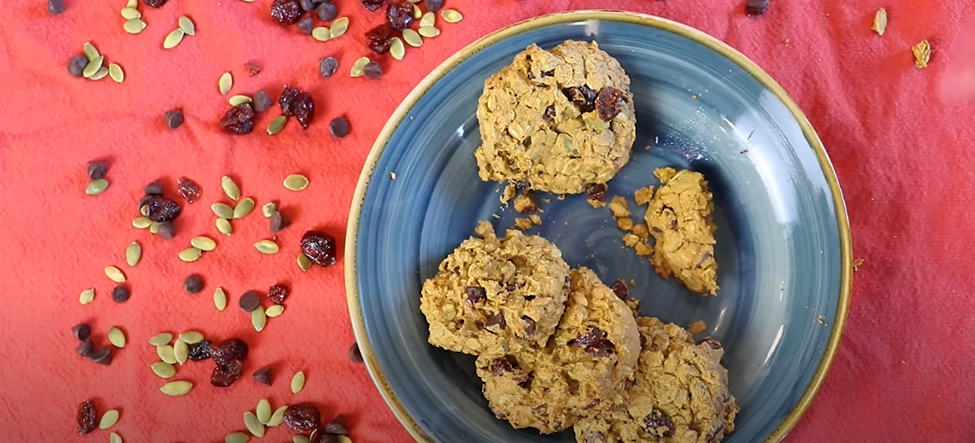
{"x": 337, "y": 426}
{"x": 97, "y": 170}
{"x": 658, "y": 424}
{"x": 475, "y": 294}
{"x": 193, "y": 284}
{"x": 619, "y": 288}
{"x": 339, "y": 127}
{"x": 76, "y": 65}
{"x": 433, "y": 5}
{"x": 166, "y": 230}
{"x": 263, "y": 375}
{"x": 373, "y": 70}
{"x": 529, "y": 326}
{"x": 307, "y": 5}
{"x": 55, "y": 7}
{"x": 756, "y": 7}
{"x": 496, "y": 320}
{"x": 714, "y": 344}
{"x": 501, "y": 365}
{"x": 278, "y": 222}
{"x": 121, "y": 294}
{"x": 173, "y": 118}
{"x": 326, "y": 11}
{"x": 81, "y": 331}
{"x": 102, "y": 356}
{"x": 596, "y": 438}
{"x": 152, "y": 189}
{"x": 306, "y": 24}
{"x": 355, "y": 355}
{"x": 86, "y": 348}
{"x": 261, "y": 101}
{"x": 595, "y": 343}
{"x": 249, "y": 301}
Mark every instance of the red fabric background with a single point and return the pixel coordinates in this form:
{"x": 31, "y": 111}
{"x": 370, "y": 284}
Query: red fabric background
{"x": 899, "y": 137}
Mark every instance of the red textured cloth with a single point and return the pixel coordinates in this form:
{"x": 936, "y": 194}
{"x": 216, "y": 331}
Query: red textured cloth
{"x": 900, "y": 139}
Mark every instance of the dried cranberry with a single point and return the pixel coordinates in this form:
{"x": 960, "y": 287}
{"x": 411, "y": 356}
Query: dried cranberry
{"x": 596, "y": 192}
{"x": 286, "y": 12}
{"x": 225, "y": 374}
{"x": 320, "y": 435}
{"x": 380, "y": 38}
{"x": 582, "y": 96}
{"x": 229, "y": 350}
{"x": 277, "y": 294}
{"x": 188, "y": 189}
{"x": 155, "y": 3}
{"x": 161, "y": 209}
{"x": 305, "y": 109}
{"x": 658, "y": 424}
{"x": 380, "y": 46}
{"x": 609, "y": 103}
{"x": 253, "y": 68}
{"x": 319, "y": 247}
{"x": 504, "y": 364}
{"x": 595, "y": 343}
{"x": 289, "y": 100}
{"x": 399, "y": 15}
{"x": 199, "y": 351}
{"x": 86, "y": 417}
{"x": 474, "y": 294}
{"x": 337, "y": 426}
{"x": 302, "y": 417}
{"x": 239, "y": 119}
{"x": 619, "y": 288}
{"x": 372, "y": 5}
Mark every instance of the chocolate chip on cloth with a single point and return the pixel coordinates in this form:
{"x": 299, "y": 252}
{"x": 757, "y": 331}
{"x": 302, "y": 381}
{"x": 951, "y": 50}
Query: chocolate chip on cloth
{"x": 581, "y": 371}
{"x": 679, "y": 395}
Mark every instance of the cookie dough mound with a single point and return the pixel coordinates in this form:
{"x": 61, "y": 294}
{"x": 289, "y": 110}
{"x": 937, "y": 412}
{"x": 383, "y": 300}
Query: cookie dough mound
{"x": 494, "y": 289}
{"x": 559, "y": 120}
{"x": 582, "y": 371}
{"x": 679, "y": 218}
{"x": 680, "y": 394}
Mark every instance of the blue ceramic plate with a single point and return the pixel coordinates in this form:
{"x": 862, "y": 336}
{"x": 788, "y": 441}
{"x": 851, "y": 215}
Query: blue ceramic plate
{"x": 783, "y": 241}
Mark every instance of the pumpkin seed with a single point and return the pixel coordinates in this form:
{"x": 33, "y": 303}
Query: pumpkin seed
{"x": 343, "y": 439}
{"x": 429, "y": 31}
{"x": 230, "y": 188}
{"x": 191, "y": 337}
{"x": 90, "y": 52}
{"x": 263, "y": 411}
{"x": 224, "y": 227}
{"x": 109, "y": 418}
{"x": 222, "y": 210}
{"x": 116, "y": 337}
{"x": 220, "y": 299}
{"x": 880, "y": 21}
{"x": 134, "y": 26}
{"x": 236, "y": 437}
{"x": 132, "y": 4}
{"x": 239, "y": 100}
{"x": 115, "y": 71}
{"x": 359, "y": 66}
{"x": 203, "y": 243}
{"x": 428, "y": 19}
{"x": 253, "y": 425}
{"x": 190, "y": 255}
{"x": 396, "y": 48}
{"x": 339, "y": 26}
{"x": 274, "y": 311}
{"x": 141, "y": 222}
{"x": 321, "y": 34}
{"x": 298, "y": 382}
{"x": 296, "y": 182}
{"x": 414, "y": 1}
{"x": 133, "y": 253}
{"x": 176, "y": 388}
{"x": 96, "y": 187}
{"x": 181, "y": 352}
{"x": 161, "y": 339}
{"x": 114, "y": 438}
{"x": 163, "y": 369}
{"x": 267, "y": 246}
{"x": 114, "y": 274}
{"x": 99, "y": 74}
{"x": 154, "y": 227}
{"x": 269, "y": 209}
{"x": 451, "y": 16}
{"x": 299, "y": 439}
{"x": 417, "y": 13}
{"x": 277, "y": 417}
{"x": 258, "y": 319}
{"x": 187, "y": 25}
{"x": 276, "y": 125}
{"x": 244, "y": 207}
{"x": 87, "y": 296}
{"x": 166, "y": 354}
{"x": 173, "y": 39}
{"x": 225, "y": 83}
{"x": 130, "y": 13}
{"x": 412, "y": 38}
{"x": 304, "y": 262}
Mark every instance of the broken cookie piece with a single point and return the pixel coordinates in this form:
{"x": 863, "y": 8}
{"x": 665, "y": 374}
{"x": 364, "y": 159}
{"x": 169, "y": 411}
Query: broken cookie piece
{"x": 524, "y": 204}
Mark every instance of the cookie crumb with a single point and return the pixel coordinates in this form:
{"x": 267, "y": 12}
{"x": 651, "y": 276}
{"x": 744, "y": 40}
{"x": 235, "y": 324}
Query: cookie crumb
{"x": 523, "y": 224}
{"x": 643, "y": 249}
{"x": 880, "y": 21}
{"x": 697, "y": 327}
{"x": 484, "y": 229}
{"x": 643, "y": 195}
{"x": 618, "y": 206}
{"x": 547, "y": 200}
{"x": 632, "y": 283}
{"x": 524, "y": 204}
{"x": 641, "y": 231}
{"x": 535, "y": 219}
{"x": 496, "y": 216}
{"x": 922, "y": 54}
{"x": 821, "y": 319}
{"x": 631, "y": 240}
{"x": 856, "y": 264}
{"x": 624, "y": 223}
{"x": 508, "y": 194}
{"x": 665, "y": 174}
{"x": 392, "y": 175}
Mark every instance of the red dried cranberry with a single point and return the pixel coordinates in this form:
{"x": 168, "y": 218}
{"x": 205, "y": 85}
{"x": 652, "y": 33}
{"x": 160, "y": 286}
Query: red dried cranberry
{"x": 475, "y": 294}
{"x": 304, "y": 109}
{"x": 302, "y": 417}
{"x": 619, "y": 288}
{"x": 399, "y": 15}
{"x": 372, "y": 5}
{"x": 380, "y": 38}
{"x": 595, "y": 343}
{"x": 288, "y": 100}
{"x": 504, "y": 364}
{"x": 277, "y": 294}
{"x": 225, "y": 374}
{"x": 239, "y": 119}
{"x": 253, "y": 68}
{"x": 161, "y": 209}
{"x": 380, "y": 46}
{"x": 155, "y": 3}
{"x": 188, "y": 189}
{"x": 199, "y": 351}
{"x": 609, "y": 103}
{"x": 86, "y": 417}
{"x": 319, "y": 247}
{"x": 582, "y": 96}
{"x": 596, "y": 192}
{"x": 229, "y": 350}
{"x": 286, "y": 12}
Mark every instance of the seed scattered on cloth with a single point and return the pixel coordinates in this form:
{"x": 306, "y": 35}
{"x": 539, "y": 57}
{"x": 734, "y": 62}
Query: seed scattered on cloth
{"x": 134, "y": 26}
{"x": 115, "y": 274}
{"x": 190, "y": 255}
{"x": 296, "y": 182}
{"x": 176, "y": 388}
{"x": 358, "y": 66}
{"x": 880, "y": 21}
{"x": 133, "y": 253}
{"x": 224, "y": 227}
{"x": 163, "y": 369}
{"x": 96, "y": 187}
{"x": 267, "y": 247}
{"x": 109, "y": 418}
{"x": 173, "y": 38}
{"x": 452, "y": 16}
{"x": 239, "y": 100}
{"x": 116, "y": 73}
{"x": 298, "y": 382}
{"x": 225, "y": 82}
{"x": 258, "y": 319}
{"x": 116, "y": 337}
{"x": 220, "y": 299}
{"x": 253, "y": 425}
{"x": 276, "y": 125}
{"x": 412, "y": 38}
{"x": 244, "y": 207}
{"x": 429, "y": 31}
{"x": 87, "y": 296}
{"x": 161, "y": 339}
{"x": 339, "y": 26}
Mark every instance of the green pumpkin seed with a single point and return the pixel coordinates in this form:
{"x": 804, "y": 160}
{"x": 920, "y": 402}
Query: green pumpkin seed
{"x": 187, "y": 25}
{"x": 269, "y": 209}
{"x": 116, "y": 337}
{"x": 244, "y": 207}
{"x": 296, "y": 182}
{"x": 100, "y": 74}
{"x": 176, "y": 388}
{"x": 451, "y": 16}
{"x": 304, "y": 262}
{"x": 133, "y": 253}
{"x": 181, "y": 352}
{"x": 239, "y": 100}
{"x": 236, "y": 437}
{"x": 263, "y": 411}
{"x": 96, "y": 187}
{"x": 880, "y": 21}
{"x": 428, "y": 19}
{"x": 299, "y": 439}
{"x": 222, "y": 210}
{"x": 225, "y": 83}
{"x": 343, "y": 439}
{"x": 417, "y": 13}
{"x": 397, "y": 49}
{"x": 298, "y": 382}
{"x": 114, "y": 274}
{"x": 339, "y": 26}
{"x": 258, "y": 319}
{"x": 224, "y": 227}
{"x": 154, "y": 227}
{"x": 230, "y": 187}
{"x": 87, "y": 296}
{"x": 109, "y": 418}
{"x": 220, "y": 299}
{"x": 161, "y": 339}
{"x": 163, "y": 369}
{"x": 173, "y": 38}
{"x": 321, "y": 34}
{"x": 130, "y": 13}
{"x": 267, "y": 246}
{"x": 114, "y": 438}
{"x": 277, "y": 417}
{"x": 274, "y": 311}
{"x": 134, "y": 26}
{"x": 132, "y": 4}
{"x": 191, "y": 337}
{"x": 90, "y": 52}
{"x": 412, "y": 38}
{"x": 276, "y": 125}
{"x": 253, "y": 425}
{"x": 203, "y": 243}
{"x": 115, "y": 71}
{"x": 190, "y": 255}
{"x": 166, "y": 354}
{"x": 414, "y": 1}
{"x": 359, "y": 66}
{"x": 141, "y": 222}
{"x": 429, "y": 31}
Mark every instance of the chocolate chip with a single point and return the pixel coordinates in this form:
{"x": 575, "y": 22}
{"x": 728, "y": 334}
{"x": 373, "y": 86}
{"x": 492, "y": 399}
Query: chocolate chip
{"x": 193, "y": 284}
{"x": 582, "y": 96}
{"x": 373, "y": 70}
{"x": 433, "y": 5}
{"x": 501, "y": 365}
{"x": 278, "y": 222}
{"x": 261, "y": 101}
{"x": 249, "y": 301}
{"x": 475, "y": 294}
{"x": 526, "y": 382}
{"x": 658, "y": 424}
{"x": 102, "y": 356}
{"x": 337, "y": 426}
{"x": 496, "y": 320}
{"x": 326, "y": 11}
{"x": 121, "y": 294}
{"x": 596, "y": 438}
{"x": 306, "y": 24}
{"x": 97, "y": 170}
{"x": 152, "y": 189}
{"x": 339, "y": 127}
{"x": 595, "y": 343}
{"x": 514, "y": 286}
{"x": 55, "y": 7}
{"x": 76, "y": 65}
{"x": 619, "y": 288}
{"x": 596, "y": 192}
{"x": 166, "y": 230}
{"x": 86, "y": 348}
{"x": 328, "y": 66}
{"x": 355, "y": 355}
{"x": 307, "y": 5}
{"x": 81, "y": 331}
{"x": 714, "y": 344}
{"x": 173, "y": 118}
{"x": 704, "y": 257}
{"x": 549, "y": 112}
{"x": 591, "y": 404}
{"x": 263, "y": 375}
{"x": 756, "y": 7}
{"x": 319, "y": 435}
{"x": 529, "y": 326}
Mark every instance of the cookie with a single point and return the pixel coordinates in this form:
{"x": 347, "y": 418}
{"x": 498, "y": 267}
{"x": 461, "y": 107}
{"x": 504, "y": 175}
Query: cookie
{"x": 557, "y": 120}
{"x": 680, "y": 221}
{"x": 581, "y": 371}
{"x": 490, "y": 289}
{"x": 680, "y": 393}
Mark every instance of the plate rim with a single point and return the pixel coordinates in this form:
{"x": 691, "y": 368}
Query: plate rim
{"x": 401, "y": 111}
